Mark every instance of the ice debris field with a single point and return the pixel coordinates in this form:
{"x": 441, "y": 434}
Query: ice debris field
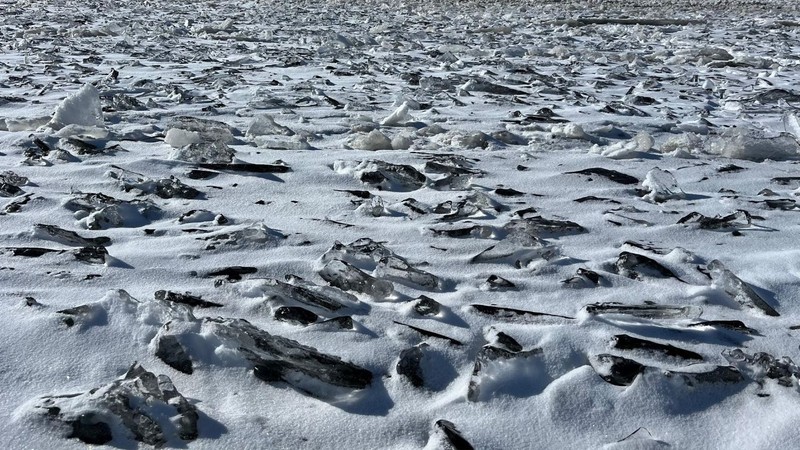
{"x": 399, "y": 225}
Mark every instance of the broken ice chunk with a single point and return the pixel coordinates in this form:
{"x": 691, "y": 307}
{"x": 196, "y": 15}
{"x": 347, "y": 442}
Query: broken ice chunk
{"x": 636, "y": 266}
{"x": 426, "y": 306}
{"x": 264, "y": 125}
{"x": 761, "y": 365}
{"x": 584, "y": 278}
{"x": 396, "y": 268}
{"x": 185, "y": 299}
{"x": 662, "y": 186}
{"x": 410, "y": 365}
{"x": 383, "y": 175}
{"x": 295, "y": 314}
{"x": 738, "y": 289}
{"x": 66, "y": 237}
{"x": 204, "y": 152}
{"x": 617, "y": 370}
{"x": 626, "y": 342}
{"x": 739, "y": 219}
{"x": 174, "y": 354}
{"x": 646, "y": 311}
{"x": 278, "y": 359}
{"x": 755, "y": 145}
{"x": 147, "y": 406}
{"x": 196, "y": 130}
{"x": 349, "y": 278}
{"x": 307, "y": 294}
{"x": 516, "y": 255}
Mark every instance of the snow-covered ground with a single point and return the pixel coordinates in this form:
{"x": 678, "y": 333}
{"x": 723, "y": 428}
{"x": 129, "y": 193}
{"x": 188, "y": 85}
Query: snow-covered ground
{"x": 399, "y": 225}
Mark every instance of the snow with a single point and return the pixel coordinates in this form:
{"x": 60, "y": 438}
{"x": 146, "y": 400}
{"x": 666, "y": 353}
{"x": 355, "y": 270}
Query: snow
{"x": 492, "y": 193}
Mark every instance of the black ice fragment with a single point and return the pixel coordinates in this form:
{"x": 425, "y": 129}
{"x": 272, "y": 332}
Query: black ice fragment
{"x": 739, "y": 219}
{"x": 637, "y": 266}
{"x": 612, "y": 175}
{"x": 295, "y": 314}
{"x": 186, "y": 299}
{"x": 503, "y": 312}
{"x": 148, "y": 406}
{"x": 233, "y": 273}
{"x": 429, "y": 333}
{"x": 617, "y": 370}
{"x": 453, "y": 436}
{"x": 627, "y": 342}
{"x": 426, "y": 306}
{"x": 734, "y": 325}
{"x": 498, "y": 283}
{"x": 66, "y": 237}
{"x": 174, "y": 354}
{"x": 410, "y": 365}
{"x": 646, "y": 310}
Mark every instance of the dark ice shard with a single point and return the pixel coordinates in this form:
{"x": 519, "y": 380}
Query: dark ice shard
{"x": 245, "y": 167}
{"x": 398, "y": 269}
{"x": 498, "y": 283}
{"x": 340, "y": 322}
{"x": 148, "y": 406}
{"x": 539, "y": 227}
{"x": 257, "y": 235}
{"x": 32, "y": 252}
{"x": 362, "y": 252}
{"x": 174, "y": 354}
{"x": 394, "y": 177}
{"x": 617, "y": 370}
{"x": 738, "y": 289}
{"x": 87, "y": 428}
{"x": 16, "y": 205}
{"x": 185, "y": 299}
{"x": 426, "y": 306}
{"x": 512, "y": 314}
{"x": 349, "y": 278}
{"x": 519, "y": 256}
{"x": 584, "y": 278}
{"x": 733, "y": 325}
{"x": 452, "y": 436}
{"x": 233, "y": 273}
{"x": 646, "y": 310}
{"x": 308, "y": 294}
{"x": 627, "y": 342}
{"x": 295, "y": 314}
{"x": 92, "y": 255}
{"x": 739, "y": 219}
{"x": 504, "y": 341}
{"x": 410, "y": 365}
{"x": 66, "y": 237}
{"x": 717, "y": 375}
{"x": 637, "y": 266}
{"x": 278, "y": 359}
{"x": 613, "y": 175}
{"x": 103, "y": 211}
{"x": 429, "y": 333}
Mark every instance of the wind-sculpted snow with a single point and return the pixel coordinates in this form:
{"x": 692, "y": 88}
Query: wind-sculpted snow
{"x": 365, "y": 224}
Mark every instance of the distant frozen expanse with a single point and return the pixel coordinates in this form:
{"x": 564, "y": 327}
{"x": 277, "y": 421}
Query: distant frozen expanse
{"x": 372, "y": 225}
